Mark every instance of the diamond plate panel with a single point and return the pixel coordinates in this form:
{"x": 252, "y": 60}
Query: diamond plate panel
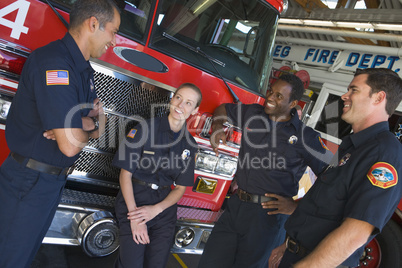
{"x": 124, "y": 98}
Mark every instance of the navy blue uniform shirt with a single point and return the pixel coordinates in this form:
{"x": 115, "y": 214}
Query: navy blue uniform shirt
{"x": 153, "y": 153}
{"x": 362, "y": 183}
{"x": 274, "y": 155}
{"x": 56, "y": 79}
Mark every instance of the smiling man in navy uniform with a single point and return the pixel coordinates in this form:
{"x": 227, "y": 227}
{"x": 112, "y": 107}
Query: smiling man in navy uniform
{"x": 54, "y": 113}
{"x": 275, "y": 149}
{"x": 357, "y": 194}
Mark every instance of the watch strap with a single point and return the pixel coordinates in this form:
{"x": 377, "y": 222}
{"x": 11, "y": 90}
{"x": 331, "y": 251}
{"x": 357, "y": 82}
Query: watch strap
{"x": 96, "y": 123}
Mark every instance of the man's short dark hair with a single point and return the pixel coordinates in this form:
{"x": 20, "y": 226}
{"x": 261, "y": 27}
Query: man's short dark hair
{"x": 383, "y": 79}
{"x": 296, "y": 84}
{"x": 102, "y": 10}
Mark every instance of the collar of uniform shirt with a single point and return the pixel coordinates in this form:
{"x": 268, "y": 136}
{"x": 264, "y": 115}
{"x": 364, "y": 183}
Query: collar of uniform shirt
{"x": 76, "y": 53}
{"x": 368, "y": 133}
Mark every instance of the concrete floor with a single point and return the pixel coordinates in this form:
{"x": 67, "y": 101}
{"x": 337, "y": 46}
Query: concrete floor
{"x": 55, "y": 256}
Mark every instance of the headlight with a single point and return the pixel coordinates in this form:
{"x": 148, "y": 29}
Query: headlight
{"x": 222, "y": 165}
{"x": 226, "y": 166}
{"x": 206, "y": 162}
{"x": 5, "y": 103}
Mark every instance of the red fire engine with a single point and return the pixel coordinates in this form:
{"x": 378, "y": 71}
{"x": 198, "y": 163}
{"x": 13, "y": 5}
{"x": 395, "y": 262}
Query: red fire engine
{"x": 224, "y": 47}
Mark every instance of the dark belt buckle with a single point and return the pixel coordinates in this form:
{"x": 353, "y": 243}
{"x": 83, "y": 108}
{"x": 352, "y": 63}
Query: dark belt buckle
{"x": 292, "y": 246}
{"x": 244, "y": 196}
{"x": 67, "y": 171}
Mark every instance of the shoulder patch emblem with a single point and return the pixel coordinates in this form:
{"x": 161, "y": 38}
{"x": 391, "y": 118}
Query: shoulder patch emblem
{"x": 383, "y": 175}
{"x": 132, "y": 133}
{"x": 323, "y": 144}
{"x": 57, "y": 77}
{"x": 293, "y": 139}
{"x": 185, "y": 154}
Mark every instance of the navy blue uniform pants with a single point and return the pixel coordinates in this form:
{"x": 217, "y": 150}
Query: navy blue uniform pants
{"x": 28, "y": 202}
{"x": 244, "y": 236}
{"x": 160, "y": 231}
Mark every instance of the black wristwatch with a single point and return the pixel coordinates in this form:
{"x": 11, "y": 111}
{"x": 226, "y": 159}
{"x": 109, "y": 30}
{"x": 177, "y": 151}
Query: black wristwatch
{"x": 96, "y": 123}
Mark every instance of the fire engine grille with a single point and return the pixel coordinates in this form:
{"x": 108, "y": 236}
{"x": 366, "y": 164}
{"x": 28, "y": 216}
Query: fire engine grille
{"x": 78, "y": 198}
{"x": 128, "y": 98}
{"x": 123, "y": 98}
{"x": 93, "y": 163}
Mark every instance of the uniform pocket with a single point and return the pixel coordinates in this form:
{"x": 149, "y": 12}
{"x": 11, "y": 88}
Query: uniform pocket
{"x": 331, "y": 196}
{"x": 21, "y": 180}
{"x": 27, "y": 183}
{"x": 149, "y": 161}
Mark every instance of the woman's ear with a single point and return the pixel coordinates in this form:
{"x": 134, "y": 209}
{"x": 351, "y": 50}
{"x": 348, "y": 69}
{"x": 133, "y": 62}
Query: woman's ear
{"x": 195, "y": 111}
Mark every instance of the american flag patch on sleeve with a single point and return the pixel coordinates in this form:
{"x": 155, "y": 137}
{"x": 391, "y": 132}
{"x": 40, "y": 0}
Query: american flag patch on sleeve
{"x": 131, "y": 134}
{"x": 57, "y": 77}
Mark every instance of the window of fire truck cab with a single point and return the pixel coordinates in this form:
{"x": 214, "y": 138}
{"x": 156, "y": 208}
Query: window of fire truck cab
{"x": 233, "y": 37}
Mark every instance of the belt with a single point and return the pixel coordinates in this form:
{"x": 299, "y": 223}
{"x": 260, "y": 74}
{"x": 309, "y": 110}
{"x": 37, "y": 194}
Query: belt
{"x": 153, "y": 186}
{"x": 294, "y": 247}
{"x": 41, "y": 167}
{"x": 253, "y": 198}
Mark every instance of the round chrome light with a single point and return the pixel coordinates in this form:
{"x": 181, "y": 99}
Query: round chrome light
{"x": 184, "y": 237}
{"x": 98, "y": 234}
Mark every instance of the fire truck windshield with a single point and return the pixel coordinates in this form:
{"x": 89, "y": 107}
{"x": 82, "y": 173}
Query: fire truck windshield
{"x": 236, "y": 36}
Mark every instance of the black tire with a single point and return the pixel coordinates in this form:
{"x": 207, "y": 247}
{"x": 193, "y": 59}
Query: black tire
{"x": 390, "y": 240}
